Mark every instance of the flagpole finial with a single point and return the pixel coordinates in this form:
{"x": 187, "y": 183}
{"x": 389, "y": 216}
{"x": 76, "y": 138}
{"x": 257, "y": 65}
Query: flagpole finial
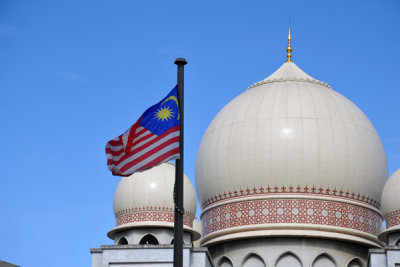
{"x": 180, "y": 60}
{"x": 289, "y": 48}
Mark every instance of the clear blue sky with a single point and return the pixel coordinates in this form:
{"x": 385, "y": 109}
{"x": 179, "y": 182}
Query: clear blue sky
{"x": 74, "y": 74}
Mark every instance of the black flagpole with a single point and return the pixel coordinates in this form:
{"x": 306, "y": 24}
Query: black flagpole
{"x": 178, "y": 190}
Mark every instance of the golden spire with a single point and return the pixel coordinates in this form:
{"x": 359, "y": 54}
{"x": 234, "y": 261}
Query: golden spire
{"x": 289, "y": 49}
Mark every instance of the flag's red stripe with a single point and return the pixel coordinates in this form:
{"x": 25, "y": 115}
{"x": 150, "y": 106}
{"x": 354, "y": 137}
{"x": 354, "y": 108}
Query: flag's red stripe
{"x": 114, "y": 153}
{"x": 117, "y": 153}
{"x": 143, "y": 139}
{"x": 126, "y": 156}
{"x": 119, "y": 174}
{"x": 170, "y": 154}
{"x": 173, "y": 129}
{"x": 149, "y": 153}
{"x": 114, "y": 148}
{"x": 113, "y": 162}
{"x": 160, "y": 158}
{"x": 114, "y": 143}
{"x": 119, "y": 143}
{"x": 141, "y": 132}
{"x": 132, "y": 134}
{"x": 137, "y": 150}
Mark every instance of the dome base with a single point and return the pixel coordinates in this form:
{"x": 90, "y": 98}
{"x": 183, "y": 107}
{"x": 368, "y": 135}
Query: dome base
{"x": 168, "y": 225}
{"x": 278, "y": 215}
{"x": 292, "y": 231}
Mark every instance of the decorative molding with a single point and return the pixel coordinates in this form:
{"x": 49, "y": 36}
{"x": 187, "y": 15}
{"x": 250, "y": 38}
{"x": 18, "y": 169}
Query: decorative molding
{"x": 392, "y": 218}
{"x": 152, "y": 214}
{"x": 266, "y": 81}
{"x": 292, "y": 190}
{"x": 291, "y": 211}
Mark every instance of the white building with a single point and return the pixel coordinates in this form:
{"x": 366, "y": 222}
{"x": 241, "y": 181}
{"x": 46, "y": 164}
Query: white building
{"x": 389, "y": 255}
{"x": 289, "y": 173}
{"x": 144, "y": 211}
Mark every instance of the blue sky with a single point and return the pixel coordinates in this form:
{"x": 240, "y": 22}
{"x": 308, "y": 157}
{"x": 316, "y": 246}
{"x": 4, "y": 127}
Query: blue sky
{"x": 74, "y": 74}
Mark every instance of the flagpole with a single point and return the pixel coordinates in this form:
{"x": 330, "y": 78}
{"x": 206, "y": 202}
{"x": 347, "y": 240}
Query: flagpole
{"x": 178, "y": 190}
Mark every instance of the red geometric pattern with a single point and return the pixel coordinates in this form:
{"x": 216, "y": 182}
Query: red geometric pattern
{"x": 392, "y": 218}
{"x": 292, "y": 190}
{"x": 151, "y": 214}
{"x": 315, "y": 212}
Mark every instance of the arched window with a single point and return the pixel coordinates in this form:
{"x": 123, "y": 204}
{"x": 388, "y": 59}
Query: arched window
{"x": 123, "y": 241}
{"x": 397, "y": 243}
{"x": 225, "y": 262}
{"x": 253, "y": 260}
{"x": 172, "y": 242}
{"x": 355, "y": 263}
{"x": 324, "y": 260}
{"x": 288, "y": 259}
{"x": 148, "y": 240}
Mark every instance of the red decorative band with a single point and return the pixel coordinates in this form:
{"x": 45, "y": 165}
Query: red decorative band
{"x": 152, "y": 215}
{"x": 392, "y": 219}
{"x": 302, "y": 211}
{"x": 291, "y": 190}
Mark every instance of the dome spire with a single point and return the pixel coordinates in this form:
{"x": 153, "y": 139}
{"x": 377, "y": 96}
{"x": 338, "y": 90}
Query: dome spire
{"x": 289, "y": 48}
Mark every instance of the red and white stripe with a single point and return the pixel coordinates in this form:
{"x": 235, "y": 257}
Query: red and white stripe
{"x": 139, "y": 149}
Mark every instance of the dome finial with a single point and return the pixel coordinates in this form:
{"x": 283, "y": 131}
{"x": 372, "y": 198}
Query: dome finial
{"x": 289, "y": 48}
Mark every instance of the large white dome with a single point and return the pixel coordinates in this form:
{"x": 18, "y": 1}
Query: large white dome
{"x": 287, "y": 139}
{"x": 145, "y": 199}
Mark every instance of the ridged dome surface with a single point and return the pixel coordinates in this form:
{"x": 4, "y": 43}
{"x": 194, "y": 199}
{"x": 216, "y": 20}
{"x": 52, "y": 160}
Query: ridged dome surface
{"x": 287, "y": 139}
{"x": 145, "y": 199}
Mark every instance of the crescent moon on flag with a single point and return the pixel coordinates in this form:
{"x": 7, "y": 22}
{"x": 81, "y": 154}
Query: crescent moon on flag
{"x": 172, "y": 98}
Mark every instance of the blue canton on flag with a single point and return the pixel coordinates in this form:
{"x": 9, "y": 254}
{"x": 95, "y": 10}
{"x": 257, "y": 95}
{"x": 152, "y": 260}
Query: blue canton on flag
{"x": 163, "y": 115}
{"x": 153, "y": 139}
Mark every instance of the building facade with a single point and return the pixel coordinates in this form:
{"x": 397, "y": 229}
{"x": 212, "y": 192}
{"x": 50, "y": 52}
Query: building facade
{"x": 144, "y": 234}
{"x": 289, "y": 173}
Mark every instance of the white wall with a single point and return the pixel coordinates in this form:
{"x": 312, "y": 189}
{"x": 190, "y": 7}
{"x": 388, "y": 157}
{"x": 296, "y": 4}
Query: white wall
{"x": 271, "y": 249}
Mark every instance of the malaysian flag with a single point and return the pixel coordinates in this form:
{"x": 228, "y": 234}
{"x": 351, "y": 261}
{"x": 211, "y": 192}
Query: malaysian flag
{"x": 153, "y": 139}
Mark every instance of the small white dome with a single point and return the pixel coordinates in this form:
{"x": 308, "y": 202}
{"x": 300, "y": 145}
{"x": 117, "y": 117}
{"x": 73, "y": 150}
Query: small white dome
{"x": 391, "y": 201}
{"x": 145, "y": 199}
{"x": 286, "y": 139}
{"x": 197, "y": 227}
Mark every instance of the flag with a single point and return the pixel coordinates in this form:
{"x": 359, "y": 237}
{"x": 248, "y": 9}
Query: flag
{"x": 153, "y": 139}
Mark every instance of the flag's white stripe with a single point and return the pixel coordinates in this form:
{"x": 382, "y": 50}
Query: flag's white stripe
{"x": 151, "y": 158}
{"x": 147, "y": 149}
{"x": 125, "y": 137}
{"x": 114, "y": 148}
{"x": 144, "y": 142}
{"x": 156, "y": 144}
{"x": 140, "y": 136}
{"x": 175, "y": 156}
{"x": 112, "y": 168}
{"x": 118, "y": 157}
{"x": 115, "y": 158}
